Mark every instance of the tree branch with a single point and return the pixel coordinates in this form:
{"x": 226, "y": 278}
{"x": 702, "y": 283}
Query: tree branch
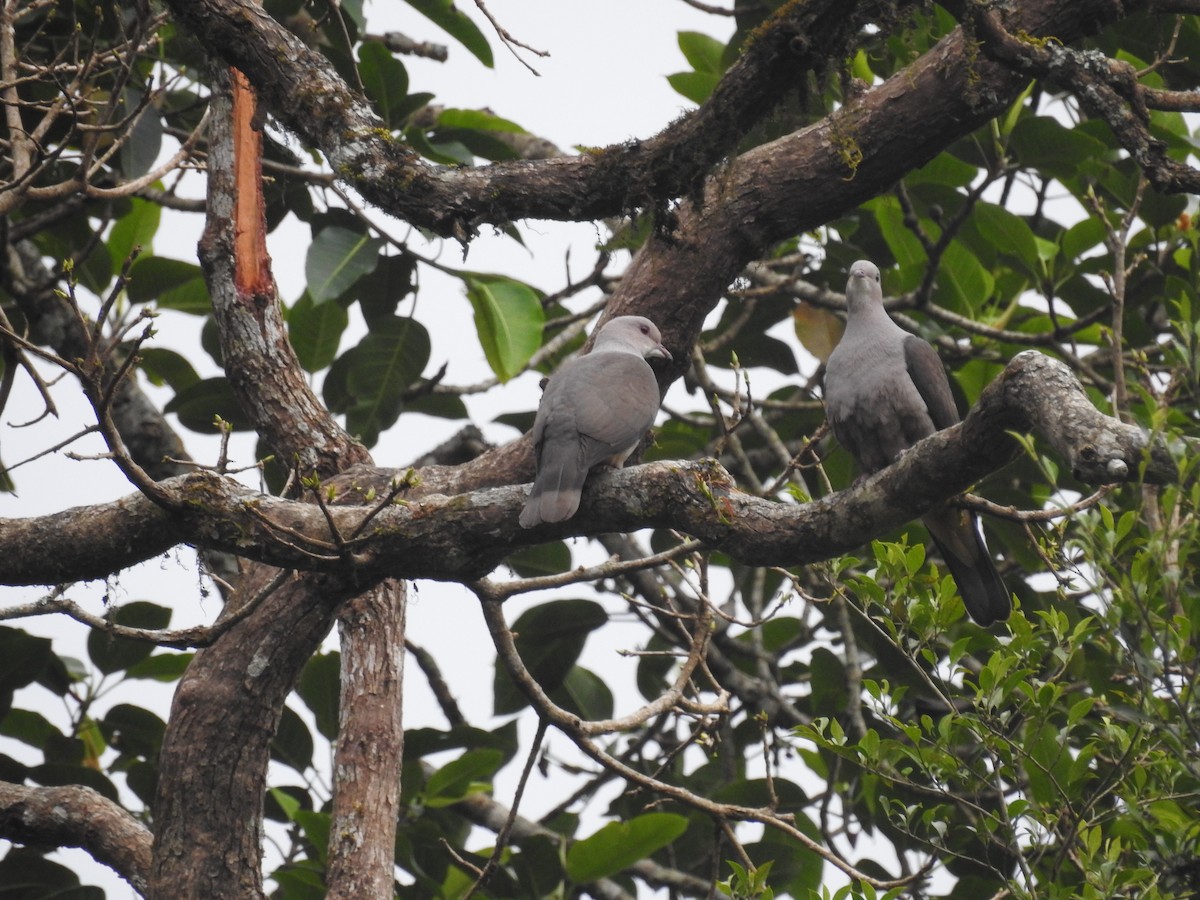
{"x": 302, "y": 89}
{"x": 77, "y": 816}
{"x": 463, "y": 537}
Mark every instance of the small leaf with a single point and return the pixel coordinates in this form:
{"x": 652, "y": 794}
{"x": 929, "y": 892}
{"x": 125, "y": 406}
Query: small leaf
{"x": 508, "y": 319}
{"x": 620, "y": 844}
{"x": 696, "y": 86}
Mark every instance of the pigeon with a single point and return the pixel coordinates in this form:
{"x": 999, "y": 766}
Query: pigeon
{"x": 885, "y": 389}
{"x": 595, "y": 409}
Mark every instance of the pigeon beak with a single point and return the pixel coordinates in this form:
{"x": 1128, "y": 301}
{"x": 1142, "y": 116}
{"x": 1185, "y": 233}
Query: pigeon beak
{"x": 658, "y": 351}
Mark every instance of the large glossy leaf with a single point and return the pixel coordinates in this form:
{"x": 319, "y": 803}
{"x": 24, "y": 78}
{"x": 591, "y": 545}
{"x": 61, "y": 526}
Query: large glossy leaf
{"x": 315, "y": 330}
{"x": 336, "y": 259}
{"x": 469, "y": 774}
{"x": 549, "y": 638}
{"x": 134, "y": 229}
{"x": 163, "y": 366}
{"x": 113, "y": 654}
{"x": 963, "y": 285}
{"x": 320, "y": 689}
{"x": 1009, "y": 232}
{"x": 367, "y": 382}
{"x": 455, "y": 23}
{"x": 293, "y": 743}
{"x": 508, "y": 319}
{"x": 621, "y": 844}
{"x": 134, "y": 731}
{"x": 198, "y": 404}
{"x": 170, "y": 284}
{"x": 385, "y": 81}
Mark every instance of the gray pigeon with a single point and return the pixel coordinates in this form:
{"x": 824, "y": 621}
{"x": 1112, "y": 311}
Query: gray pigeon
{"x": 885, "y": 389}
{"x": 595, "y": 409}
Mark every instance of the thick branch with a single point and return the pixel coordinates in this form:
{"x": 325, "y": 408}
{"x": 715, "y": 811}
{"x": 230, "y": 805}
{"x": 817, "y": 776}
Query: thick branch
{"x": 259, "y": 360}
{"x": 463, "y": 537}
{"x": 77, "y": 816}
{"x": 303, "y": 90}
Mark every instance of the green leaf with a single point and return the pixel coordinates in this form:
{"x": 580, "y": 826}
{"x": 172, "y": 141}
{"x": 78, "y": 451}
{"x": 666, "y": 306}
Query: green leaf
{"x": 320, "y": 689}
{"x": 447, "y": 16}
{"x": 161, "y": 667}
{"x": 549, "y": 639}
{"x": 133, "y": 730}
{"x": 367, "y": 382}
{"x": 28, "y": 727}
{"x": 696, "y": 86}
{"x": 1008, "y": 232}
{"x": 134, "y": 229}
{"x": 293, "y": 743}
{"x": 962, "y": 283}
{"x": 584, "y": 693}
{"x": 170, "y": 283}
{"x": 384, "y": 80}
{"x": 508, "y": 319}
{"x": 144, "y": 139}
{"x": 477, "y": 119}
{"x": 114, "y": 654}
{"x": 469, "y": 774}
{"x": 905, "y": 247}
{"x": 703, "y": 53}
{"x": 198, "y": 404}
{"x": 315, "y": 330}
{"x": 541, "y": 559}
{"x": 336, "y": 259}
{"x": 620, "y": 844}
{"x": 164, "y": 366}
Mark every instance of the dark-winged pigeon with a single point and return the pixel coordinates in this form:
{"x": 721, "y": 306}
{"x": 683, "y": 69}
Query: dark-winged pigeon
{"x": 885, "y": 389}
{"x": 595, "y": 409}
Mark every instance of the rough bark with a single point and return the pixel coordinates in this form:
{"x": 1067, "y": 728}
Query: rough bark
{"x": 303, "y": 91}
{"x": 214, "y": 847}
{"x": 213, "y": 765}
{"x": 370, "y": 745}
{"x": 77, "y": 816}
{"x": 464, "y": 536}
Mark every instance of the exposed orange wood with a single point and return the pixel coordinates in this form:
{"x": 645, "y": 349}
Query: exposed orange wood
{"x": 252, "y": 270}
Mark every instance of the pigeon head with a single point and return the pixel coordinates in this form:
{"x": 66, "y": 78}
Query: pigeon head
{"x": 636, "y": 333}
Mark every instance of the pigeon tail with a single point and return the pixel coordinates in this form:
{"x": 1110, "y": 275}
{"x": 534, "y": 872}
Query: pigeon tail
{"x": 983, "y": 593}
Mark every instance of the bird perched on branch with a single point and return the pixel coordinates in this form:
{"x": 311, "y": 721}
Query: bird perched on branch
{"x": 885, "y": 389}
{"x": 595, "y": 409}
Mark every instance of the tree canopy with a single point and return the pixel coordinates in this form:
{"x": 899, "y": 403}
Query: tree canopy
{"x": 808, "y": 713}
